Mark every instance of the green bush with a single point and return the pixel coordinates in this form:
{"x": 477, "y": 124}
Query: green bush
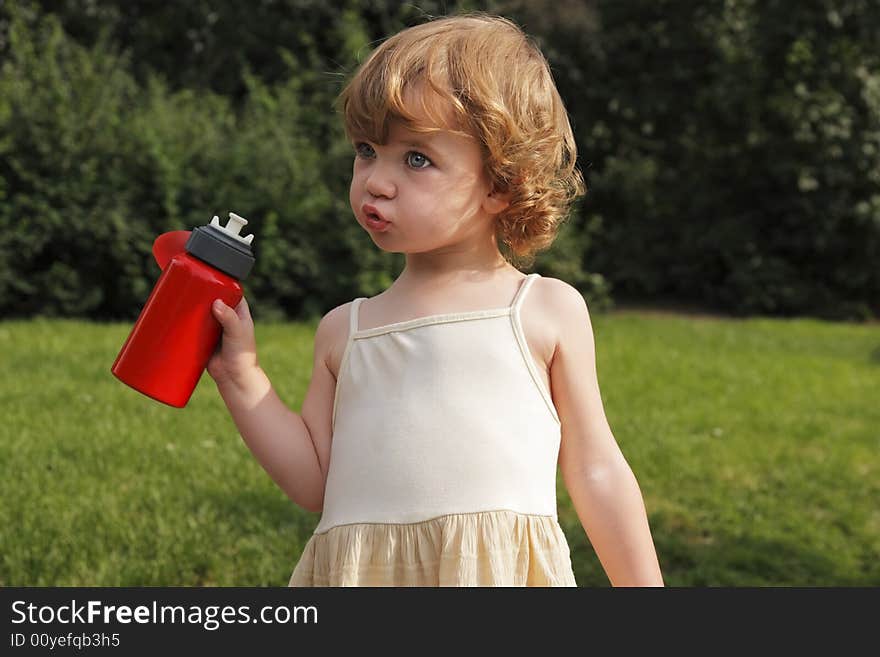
{"x": 95, "y": 166}
{"x": 735, "y": 149}
{"x": 732, "y": 150}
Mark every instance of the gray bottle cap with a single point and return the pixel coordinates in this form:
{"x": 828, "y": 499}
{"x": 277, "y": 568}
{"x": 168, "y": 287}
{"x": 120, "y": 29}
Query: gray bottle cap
{"x": 222, "y": 247}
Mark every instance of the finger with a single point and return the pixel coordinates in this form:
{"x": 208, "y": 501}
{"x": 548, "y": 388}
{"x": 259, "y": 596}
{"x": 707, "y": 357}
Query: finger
{"x": 243, "y": 310}
{"x": 225, "y": 315}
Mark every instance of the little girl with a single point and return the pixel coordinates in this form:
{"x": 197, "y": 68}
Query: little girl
{"x": 439, "y": 410}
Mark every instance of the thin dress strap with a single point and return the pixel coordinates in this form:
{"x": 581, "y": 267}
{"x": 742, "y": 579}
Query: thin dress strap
{"x": 516, "y": 322}
{"x": 353, "y": 317}
{"x": 352, "y": 328}
{"x": 521, "y": 293}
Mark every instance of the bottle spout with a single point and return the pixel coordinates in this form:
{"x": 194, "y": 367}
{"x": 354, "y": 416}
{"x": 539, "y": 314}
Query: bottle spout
{"x": 233, "y": 227}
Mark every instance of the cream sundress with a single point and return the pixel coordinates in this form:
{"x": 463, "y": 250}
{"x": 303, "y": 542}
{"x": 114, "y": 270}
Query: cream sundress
{"x": 443, "y": 459}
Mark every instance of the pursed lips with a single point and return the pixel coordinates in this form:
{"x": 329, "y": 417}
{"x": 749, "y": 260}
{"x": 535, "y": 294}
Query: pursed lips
{"x": 371, "y": 211}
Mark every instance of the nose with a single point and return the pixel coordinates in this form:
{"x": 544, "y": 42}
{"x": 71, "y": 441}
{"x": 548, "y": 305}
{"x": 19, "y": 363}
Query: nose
{"x": 380, "y": 181}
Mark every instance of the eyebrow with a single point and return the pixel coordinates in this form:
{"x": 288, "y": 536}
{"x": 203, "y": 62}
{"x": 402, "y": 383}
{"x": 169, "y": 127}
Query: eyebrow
{"x": 415, "y": 143}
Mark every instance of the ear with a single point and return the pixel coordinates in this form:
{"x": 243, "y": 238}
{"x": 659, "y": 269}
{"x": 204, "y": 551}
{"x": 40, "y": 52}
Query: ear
{"x": 496, "y": 201}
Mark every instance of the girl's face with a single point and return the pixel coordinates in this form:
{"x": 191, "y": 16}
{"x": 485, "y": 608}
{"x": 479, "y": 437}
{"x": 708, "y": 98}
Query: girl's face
{"x": 420, "y": 192}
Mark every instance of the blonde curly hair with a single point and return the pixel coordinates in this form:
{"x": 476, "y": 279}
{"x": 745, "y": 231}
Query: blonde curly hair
{"x": 501, "y": 92}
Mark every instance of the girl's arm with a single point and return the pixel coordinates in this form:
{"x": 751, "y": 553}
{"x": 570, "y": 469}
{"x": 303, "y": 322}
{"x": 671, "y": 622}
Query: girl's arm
{"x": 599, "y": 481}
{"x": 292, "y": 448}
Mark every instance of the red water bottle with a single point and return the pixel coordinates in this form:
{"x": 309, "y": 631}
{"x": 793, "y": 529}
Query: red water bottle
{"x": 175, "y": 334}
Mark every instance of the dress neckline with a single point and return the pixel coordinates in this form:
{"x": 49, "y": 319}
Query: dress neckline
{"x": 440, "y": 318}
{"x": 428, "y": 320}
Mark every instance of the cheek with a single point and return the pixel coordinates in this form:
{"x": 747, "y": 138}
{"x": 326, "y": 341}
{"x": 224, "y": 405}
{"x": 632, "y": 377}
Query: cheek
{"x": 355, "y": 186}
{"x": 462, "y": 193}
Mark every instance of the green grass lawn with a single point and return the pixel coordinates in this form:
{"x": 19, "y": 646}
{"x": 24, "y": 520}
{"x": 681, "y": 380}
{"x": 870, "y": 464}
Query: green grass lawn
{"x": 756, "y": 444}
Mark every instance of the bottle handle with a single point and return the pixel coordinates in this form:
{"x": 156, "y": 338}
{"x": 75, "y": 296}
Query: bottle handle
{"x": 168, "y": 245}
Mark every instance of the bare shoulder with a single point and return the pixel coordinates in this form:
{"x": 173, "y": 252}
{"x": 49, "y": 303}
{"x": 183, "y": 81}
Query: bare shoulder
{"x": 562, "y": 309}
{"x": 558, "y": 293}
{"x": 331, "y": 336}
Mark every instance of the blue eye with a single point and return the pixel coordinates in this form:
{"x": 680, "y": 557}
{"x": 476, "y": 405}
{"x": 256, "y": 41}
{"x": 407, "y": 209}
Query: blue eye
{"x": 364, "y": 150}
{"x": 417, "y": 160}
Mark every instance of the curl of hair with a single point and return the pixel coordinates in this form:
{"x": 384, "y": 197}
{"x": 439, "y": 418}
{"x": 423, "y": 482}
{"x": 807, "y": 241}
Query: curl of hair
{"x": 493, "y": 84}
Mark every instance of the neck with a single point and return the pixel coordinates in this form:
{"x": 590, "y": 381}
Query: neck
{"x": 456, "y": 263}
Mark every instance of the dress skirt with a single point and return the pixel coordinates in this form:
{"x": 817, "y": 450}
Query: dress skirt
{"x": 492, "y": 548}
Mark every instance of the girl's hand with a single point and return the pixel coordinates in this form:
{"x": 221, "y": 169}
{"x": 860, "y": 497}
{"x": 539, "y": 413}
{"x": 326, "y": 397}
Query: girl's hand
{"x": 236, "y": 353}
